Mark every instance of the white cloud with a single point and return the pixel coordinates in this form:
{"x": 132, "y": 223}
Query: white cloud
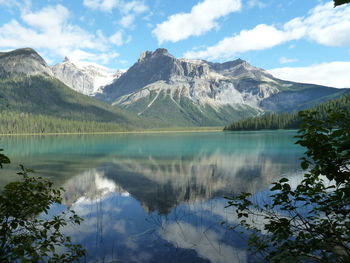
{"x": 127, "y": 20}
{"x": 260, "y": 37}
{"x": 117, "y": 38}
{"x": 7, "y": 3}
{"x": 256, "y": 3}
{"x": 50, "y": 18}
{"x": 135, "y": 7}
{"x": 324, "y": 25}
{"x": 128, "y": 9}
{"x": 333, "y": 74}
{"x": 49, "y": 29}
{"x": 202, "y": 18}
{"x": 103, "y": 5}
{"x": 81, "y": 56}
{"x": 284, "y": 60}
{"x": 204, "y": 241}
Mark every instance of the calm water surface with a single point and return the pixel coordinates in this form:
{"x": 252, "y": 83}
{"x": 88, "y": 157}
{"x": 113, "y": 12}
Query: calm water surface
{"x": 157, "y": 197}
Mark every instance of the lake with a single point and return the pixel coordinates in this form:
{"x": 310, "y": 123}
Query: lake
{"x": 157, "y": 197}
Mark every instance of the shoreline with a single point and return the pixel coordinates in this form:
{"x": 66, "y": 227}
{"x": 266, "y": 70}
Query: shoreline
{"x": 102, "y": 133}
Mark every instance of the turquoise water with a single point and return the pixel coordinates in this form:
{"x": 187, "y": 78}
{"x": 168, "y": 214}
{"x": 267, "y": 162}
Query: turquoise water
{"x": 157, "y": 197}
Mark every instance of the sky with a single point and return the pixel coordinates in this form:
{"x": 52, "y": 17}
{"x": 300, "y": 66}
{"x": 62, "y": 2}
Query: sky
{"x": 304, "y": 41}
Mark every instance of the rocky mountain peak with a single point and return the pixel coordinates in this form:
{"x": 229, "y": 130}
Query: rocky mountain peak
{"x": 22, "y": 51}
{"x": 151, "y": 67}
{"x": 87, "y": 79}
{"x": 239, "y": 61}
{"x": 159, "y": 52}
{"x": 228, "y": 64}
{"x": 24, "y": 61}
{"x": 162, "y": 52}
{"x": 161, "y": 65}
{"x": 239, "y": 68}
{"x": 144, "y": 55}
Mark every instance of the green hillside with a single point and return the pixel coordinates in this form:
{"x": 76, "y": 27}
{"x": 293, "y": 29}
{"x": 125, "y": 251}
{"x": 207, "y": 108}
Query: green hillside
{"x": 45, "y": 100}
{"x": 288, "y": 120}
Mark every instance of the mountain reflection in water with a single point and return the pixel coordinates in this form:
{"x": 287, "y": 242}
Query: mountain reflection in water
{"x": 159, "y": 198}
{"x": 161, "y": 185}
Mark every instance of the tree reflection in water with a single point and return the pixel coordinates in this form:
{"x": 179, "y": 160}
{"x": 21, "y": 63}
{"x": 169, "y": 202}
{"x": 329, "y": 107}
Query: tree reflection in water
{"x": 147, "y": 210}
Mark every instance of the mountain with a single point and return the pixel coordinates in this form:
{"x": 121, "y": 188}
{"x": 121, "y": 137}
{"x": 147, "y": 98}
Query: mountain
{"x": 87, "y": 79}
{"x": 197, "y": 92}
{"x": 24, "y": 61}
{"x": 159, "y": 86}
{"x": 28, "y": 86}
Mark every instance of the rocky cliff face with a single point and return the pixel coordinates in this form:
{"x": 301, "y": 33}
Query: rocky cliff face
{"x": 199, "y": 92}
{"x": 85, "y": 78}
{"x": 186, "y": 92}
{"x": 24, "y": 61}
{"x": 200, "y": 81}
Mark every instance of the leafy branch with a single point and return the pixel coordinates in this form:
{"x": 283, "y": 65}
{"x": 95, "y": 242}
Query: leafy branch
{"x": 27, "y": 232}
{"x": 310, "y": 221}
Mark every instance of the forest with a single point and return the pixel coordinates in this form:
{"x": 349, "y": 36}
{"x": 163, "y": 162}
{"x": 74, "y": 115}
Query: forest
{"x": 275, "y": 121}
{"x": 17, "y": 123}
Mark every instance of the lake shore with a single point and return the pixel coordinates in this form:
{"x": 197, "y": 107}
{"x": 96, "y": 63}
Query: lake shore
{"x": 165, "y": 130}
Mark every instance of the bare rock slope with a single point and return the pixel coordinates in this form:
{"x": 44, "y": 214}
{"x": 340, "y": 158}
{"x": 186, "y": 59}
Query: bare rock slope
{"x": 198, "y": 92}
{"x": 24, "y": 61}
{"x": 87, "y": 79}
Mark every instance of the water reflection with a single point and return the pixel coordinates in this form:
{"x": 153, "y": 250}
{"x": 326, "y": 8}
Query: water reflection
{"x": 160, "y": 185}
{"x": 207, "y": 243}
{"x": 158, "y": 198}
{"x": 117, "y": 228}
{"x": 166, "y": 210}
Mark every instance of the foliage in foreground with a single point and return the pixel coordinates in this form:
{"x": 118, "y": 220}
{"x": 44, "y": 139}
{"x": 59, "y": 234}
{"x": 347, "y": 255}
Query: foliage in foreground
{"x": 340, "y": 2}
{"x": 27, "y": 232}
{"x": 309, "y": 222}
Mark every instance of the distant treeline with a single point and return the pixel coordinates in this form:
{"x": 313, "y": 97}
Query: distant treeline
{"x": 20, "y": 123}
{"x": 274, "y": 121}
{"x": 38, "y": 104}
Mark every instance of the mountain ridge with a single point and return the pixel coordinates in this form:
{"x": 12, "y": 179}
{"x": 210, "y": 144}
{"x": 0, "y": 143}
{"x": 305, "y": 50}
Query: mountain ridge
{"x": 24, "y": 61}
{"x": 29, "y": 87}
{"x": 205, "y": 93}
{"x": 159, "y": 86}
{"x": 87, "y": 79}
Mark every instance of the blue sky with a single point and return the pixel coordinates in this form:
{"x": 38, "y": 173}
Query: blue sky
{"x": 307, "y": 41}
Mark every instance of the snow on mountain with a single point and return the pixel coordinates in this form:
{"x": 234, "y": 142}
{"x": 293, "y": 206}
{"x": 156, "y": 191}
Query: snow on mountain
{"x": 86, "y": 78}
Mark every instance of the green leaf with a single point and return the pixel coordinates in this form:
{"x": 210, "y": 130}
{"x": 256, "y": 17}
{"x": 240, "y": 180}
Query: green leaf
{"x": 340, "y": 2}
{"x": 283, "y": 180}
{"x": 304, "y": 165}
{"x": 3, "y": 159}
{"x": 26, "y": 237}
